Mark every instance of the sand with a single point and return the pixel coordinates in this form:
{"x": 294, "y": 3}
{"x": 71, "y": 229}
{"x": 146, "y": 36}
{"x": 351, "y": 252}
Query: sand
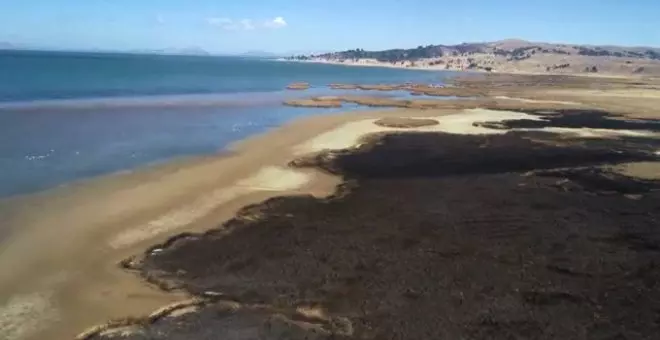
{"x": 314, "y": 102}
{"x": 24, "y": 314}
{"x": 79, "y": 233}
{"x": 539, "y": 101}
{"x": 349, "y": 134}
{"x": 82, "y": 231}
{"x": 643, "y": 170}
{"x": 298, "y": 86}
{"x": 269, "y": 178}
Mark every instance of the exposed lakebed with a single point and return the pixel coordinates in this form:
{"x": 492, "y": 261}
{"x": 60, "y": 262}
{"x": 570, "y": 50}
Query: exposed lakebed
{"x": 434, "y": 235}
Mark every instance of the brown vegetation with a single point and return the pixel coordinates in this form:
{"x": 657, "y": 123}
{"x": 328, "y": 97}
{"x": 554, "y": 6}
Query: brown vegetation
{"x": 466, "y": 237}
{"x": 445, "y": 91}
{"x": 298, "y": 86}
{"x": 399, "y": 122}
{"x": 373, "y": 87}
{"x": 343, "y": 86}
{"x": 314, "y": 102}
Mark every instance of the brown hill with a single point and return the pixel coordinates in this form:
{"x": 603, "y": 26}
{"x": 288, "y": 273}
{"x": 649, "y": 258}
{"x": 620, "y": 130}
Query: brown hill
{"x": 511, "y": 55}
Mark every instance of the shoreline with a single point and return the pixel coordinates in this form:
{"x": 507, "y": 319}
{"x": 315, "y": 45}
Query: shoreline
{"x": 73, "y": 238}
{"x": 475, "y": 72}
{"x": 379, "y": 64}
{"x": 87, "y": 227}
{"x": 248, "y": 117}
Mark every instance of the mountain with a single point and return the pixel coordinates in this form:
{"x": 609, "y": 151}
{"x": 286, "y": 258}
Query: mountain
{"x": 511, "y": 48}
{"x": 510, "y": 55}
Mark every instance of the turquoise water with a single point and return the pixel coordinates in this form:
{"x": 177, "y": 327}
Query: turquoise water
{"x": 67, "y": 116}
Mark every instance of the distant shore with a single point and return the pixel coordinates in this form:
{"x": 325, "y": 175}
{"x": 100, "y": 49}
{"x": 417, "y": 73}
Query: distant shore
{"x": 512, "y": 56}
{"x": 366, "y": 63}
{"x": 424, "y": 66}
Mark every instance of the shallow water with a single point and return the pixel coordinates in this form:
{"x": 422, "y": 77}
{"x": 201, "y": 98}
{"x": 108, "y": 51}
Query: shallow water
{"x": 67, "y": 116}
{"x": 60, "y": 75}
{"x": 48, "y": 147}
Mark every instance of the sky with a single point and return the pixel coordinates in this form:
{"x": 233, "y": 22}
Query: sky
{"x": 292, "y": 26}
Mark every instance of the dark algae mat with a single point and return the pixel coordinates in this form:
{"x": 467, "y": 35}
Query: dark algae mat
{"x": 435, "y": 236}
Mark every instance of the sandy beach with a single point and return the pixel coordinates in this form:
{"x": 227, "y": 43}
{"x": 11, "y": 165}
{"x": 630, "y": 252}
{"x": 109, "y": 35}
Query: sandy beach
{"x": 70, "y": 240}
{"x": 367, "y": 63}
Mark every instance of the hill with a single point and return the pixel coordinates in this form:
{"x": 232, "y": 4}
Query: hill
{"x": 511, "y": 55}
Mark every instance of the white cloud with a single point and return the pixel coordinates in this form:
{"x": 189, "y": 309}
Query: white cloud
{"x": 278, "y": 22}
{"x": 224, "y": 23}
{"x": 245, "y": 24}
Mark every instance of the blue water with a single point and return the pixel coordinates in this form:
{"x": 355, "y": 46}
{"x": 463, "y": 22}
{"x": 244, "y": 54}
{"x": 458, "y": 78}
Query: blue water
{"x": 67, "y": 116}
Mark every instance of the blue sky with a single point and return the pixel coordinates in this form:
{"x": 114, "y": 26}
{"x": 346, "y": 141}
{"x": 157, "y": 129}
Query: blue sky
{"x": 321, "y": 25}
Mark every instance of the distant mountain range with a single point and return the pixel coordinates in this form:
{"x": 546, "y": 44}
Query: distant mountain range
{"x": 509, "y": 55}
{"x": 173, "y": 51}
{"x": 192, "y": 50}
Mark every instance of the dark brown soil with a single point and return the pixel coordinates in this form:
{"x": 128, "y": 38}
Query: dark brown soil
{"x": 437, "y": 236}
{"x": 582, "y": 119}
